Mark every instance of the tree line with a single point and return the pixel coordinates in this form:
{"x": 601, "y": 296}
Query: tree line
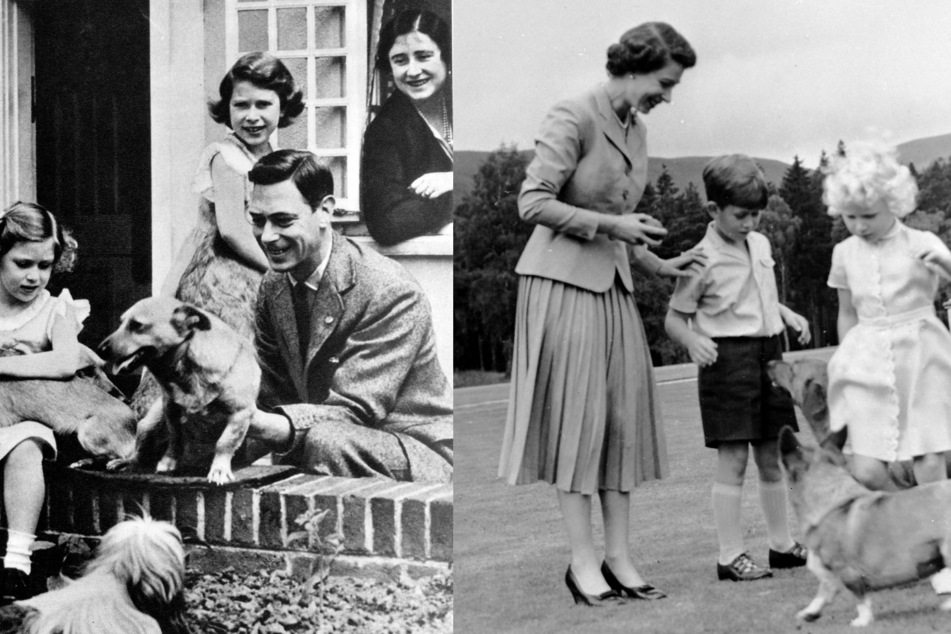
{"x": 489, "y": 237}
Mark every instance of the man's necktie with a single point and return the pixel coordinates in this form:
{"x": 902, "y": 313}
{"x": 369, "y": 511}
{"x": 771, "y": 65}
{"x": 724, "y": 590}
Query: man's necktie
{"x": 302, "y": 309}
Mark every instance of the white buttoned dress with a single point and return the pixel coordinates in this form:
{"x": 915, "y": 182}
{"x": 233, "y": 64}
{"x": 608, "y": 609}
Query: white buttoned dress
{"x": 890, "y": 379}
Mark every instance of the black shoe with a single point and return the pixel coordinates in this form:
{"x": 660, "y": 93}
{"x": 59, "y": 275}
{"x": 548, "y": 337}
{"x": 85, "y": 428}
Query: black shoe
{"x": 590, "y": 600}
{"x": 16, "y": 586}
{"x": 793, "y": 558}
{"x": 742, "y": 569}
{"x": 646, "y": 591}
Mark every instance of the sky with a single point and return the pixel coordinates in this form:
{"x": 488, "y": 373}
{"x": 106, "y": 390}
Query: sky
{"x": 774, "y": 78}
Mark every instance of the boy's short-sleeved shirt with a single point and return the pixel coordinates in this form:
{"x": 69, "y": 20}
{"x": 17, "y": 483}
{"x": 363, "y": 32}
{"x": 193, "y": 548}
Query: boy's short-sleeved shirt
{"x": 735, "y": 295}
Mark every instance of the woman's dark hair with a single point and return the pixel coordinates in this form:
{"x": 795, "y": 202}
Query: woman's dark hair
{"x": 29, "y": 222}
{"x": 408, "y": 21}
{"x": 312, "y": 179}
{"x": 264, "y": 71}
{"x": 647, "y": 48}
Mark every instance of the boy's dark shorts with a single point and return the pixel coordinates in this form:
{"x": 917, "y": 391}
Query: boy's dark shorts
{"x": 737, "y": 400}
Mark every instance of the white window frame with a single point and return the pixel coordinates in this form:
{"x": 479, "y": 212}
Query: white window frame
{"x": 17, "y": 151}
{"x": 355, "y": 29}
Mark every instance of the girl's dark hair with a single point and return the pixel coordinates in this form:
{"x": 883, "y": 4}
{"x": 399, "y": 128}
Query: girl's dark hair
{"x": 647, "y": 48}
{"x": 264, "y": 71}
{"x": 425, "y": 22}
{"x": 29, "y": 222}
{"x": 312, "y": 179}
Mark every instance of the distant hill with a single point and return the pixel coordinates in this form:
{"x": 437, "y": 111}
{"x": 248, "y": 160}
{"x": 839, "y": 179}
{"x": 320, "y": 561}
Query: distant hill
{"x": 683, "y": 170}
{"x": 924, "y": 152}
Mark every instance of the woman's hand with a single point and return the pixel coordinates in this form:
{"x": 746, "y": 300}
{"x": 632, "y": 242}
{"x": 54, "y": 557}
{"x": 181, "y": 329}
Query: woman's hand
{"x": 432, "y": 185}
{"x": 636, "y": 229}
{"x": 684, "y": 265}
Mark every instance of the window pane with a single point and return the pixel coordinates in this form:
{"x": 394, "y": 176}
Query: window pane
{"x": 292, "y": 29}
{"x": 252, "y": 31}
{"x": 298, "y": 68}
{"x": 331, "y": 75}
{"x": 294, "y": 136}
{"x": 338, "y": 168}
{"x": 329, "y": 27}
{"x": 331, "y": 124}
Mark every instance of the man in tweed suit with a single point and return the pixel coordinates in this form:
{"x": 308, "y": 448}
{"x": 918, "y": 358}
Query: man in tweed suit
{"x": 351, "y": 384}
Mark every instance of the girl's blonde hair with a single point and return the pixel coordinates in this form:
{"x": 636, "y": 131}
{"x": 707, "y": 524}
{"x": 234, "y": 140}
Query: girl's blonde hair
{"x": 867, "y": 175}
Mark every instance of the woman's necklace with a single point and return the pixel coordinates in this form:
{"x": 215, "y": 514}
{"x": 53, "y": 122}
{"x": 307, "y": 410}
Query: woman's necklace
{"x": 446, "y": 124}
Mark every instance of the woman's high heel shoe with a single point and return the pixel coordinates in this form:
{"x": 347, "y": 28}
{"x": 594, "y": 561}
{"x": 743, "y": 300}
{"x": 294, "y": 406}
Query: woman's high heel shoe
{"x": 646, "y": 591}
{"x": 590, "y": 600}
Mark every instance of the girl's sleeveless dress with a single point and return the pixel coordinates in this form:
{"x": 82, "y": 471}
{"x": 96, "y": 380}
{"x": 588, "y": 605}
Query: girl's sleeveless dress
{"x": 32, "y": 330}
{"x": 889, "y": 379}
{"x": 207, "y": 272}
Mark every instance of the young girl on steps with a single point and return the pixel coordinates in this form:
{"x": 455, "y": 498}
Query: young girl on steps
{"x": 39, "y": 332}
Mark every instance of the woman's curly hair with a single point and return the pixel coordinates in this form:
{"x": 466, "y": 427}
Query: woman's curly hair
{"x": 647, "y": 48}
{"x": 29, "y": 222}
{"x": 869, "y": 174}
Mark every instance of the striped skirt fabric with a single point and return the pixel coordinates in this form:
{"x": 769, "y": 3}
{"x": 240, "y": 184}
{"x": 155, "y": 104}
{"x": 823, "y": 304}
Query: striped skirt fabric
{"x": 583, "y": 413}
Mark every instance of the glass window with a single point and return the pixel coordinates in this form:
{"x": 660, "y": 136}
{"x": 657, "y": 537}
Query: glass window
{"x": 292, "y": 29}
{"x": 252, "y": 30}
{"x": 324, "y": 45}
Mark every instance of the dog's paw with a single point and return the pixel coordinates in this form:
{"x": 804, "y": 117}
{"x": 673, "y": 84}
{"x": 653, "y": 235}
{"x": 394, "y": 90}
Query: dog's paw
{"x": 220, "y": 476}
{"x": 808, "y": 615}
{"x": 120, "y": 464}
{"x": 166, "y": 465}
{"x": 220, "y": 472}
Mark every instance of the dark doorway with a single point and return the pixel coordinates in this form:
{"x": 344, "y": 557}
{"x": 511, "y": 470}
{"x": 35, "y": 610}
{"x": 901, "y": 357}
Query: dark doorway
{"x": 93, "y": 147}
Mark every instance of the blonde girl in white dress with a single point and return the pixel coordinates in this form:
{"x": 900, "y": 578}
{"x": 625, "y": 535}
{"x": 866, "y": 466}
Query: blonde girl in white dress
{"x": 38, "y": 339}
{"x": 889, "y": 378}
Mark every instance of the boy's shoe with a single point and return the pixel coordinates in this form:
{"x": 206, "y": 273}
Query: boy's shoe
{"x": 793, "y": 558}
{"x": 15, "y": 586}
{"x": 742, "y": 569}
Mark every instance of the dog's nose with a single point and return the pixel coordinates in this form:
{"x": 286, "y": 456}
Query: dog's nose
{"x": 103, "y": 348}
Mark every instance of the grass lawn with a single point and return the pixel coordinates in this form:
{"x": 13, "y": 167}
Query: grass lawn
{"x": 473, "y": 378}
{"x": 511, "y": 551}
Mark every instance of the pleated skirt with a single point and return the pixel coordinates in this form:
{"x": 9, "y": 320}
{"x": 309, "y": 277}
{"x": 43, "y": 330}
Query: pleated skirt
{"x": 583, "y": 412}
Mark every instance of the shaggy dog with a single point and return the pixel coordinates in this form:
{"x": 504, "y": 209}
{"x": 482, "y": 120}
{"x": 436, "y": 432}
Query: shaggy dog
{"x": 86, "y": 408}
{"x": 807, "y": 381}
{"x": 134, "y": 585}
{"x": 858, "y": 539}
{"x": 209, "y": 378}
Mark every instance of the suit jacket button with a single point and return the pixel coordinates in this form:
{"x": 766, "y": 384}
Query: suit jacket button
{"x": 328, "y": 320}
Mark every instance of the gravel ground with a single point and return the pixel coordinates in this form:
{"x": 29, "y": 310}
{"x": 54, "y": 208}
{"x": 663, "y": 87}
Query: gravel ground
{"x": 273, "y": 603}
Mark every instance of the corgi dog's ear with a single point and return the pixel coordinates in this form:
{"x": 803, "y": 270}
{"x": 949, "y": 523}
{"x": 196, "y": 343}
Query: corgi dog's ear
{"x": 186, "y": 318}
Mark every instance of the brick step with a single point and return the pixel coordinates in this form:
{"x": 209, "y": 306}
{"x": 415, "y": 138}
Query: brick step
{"x": 400, "y": 526}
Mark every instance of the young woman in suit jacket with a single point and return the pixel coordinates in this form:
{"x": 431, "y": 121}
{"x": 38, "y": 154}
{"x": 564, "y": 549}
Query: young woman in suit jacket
{"x": 583, "y": 409}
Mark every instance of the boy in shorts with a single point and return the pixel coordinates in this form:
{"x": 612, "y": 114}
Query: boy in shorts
{"x": 729, "y": 319}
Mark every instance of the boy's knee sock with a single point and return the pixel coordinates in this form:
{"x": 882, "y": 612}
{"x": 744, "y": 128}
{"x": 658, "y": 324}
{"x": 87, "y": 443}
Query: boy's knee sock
{"x": 727, "y": 503}
{"x": 18, "y": 551}
{"x": 772, "y": 496}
